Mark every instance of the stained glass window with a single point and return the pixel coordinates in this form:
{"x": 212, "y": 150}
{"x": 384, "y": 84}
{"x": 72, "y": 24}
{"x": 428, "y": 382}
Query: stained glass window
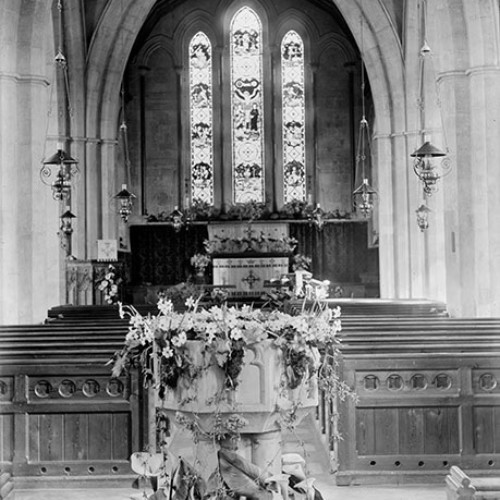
{"x": 293, "y": 114}
{"x": 201, "y": 109}
{"x": 247, "y": 107}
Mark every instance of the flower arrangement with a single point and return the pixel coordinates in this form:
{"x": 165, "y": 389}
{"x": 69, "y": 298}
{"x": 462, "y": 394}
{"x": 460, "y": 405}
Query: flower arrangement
{"x": 201, "y": 210}
{"x": 301, "y": 261}
{"x": 225, "y": 332}
{"x": 258, "y": 244}
{"x": 200, "y": 261}
{"x": 110, "y": 284}
{"x": 251, "y": 210}
{"x": 294, "y": 209}
{"x": 160, "y": 345}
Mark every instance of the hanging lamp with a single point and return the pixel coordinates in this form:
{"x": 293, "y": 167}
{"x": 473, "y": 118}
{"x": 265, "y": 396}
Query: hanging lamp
{"x": 125, "y": 198}
{"x": 430, "y": 163}
{"x": 57, "y": 170}
{"x": 364, "y": 195}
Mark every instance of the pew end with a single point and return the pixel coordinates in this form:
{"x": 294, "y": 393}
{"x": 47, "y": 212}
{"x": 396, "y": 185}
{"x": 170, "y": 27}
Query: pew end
{"x": 458, "y": 485}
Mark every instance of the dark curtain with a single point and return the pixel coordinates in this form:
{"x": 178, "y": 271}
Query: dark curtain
{"x": 339, "y": 251}
{"x": 160, "y": 255}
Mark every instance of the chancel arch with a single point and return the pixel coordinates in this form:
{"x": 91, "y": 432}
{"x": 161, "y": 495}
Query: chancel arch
{"x": 194, "y": 19}
{"x": 117, "y": 28}
{"x": 122, "y": 26}
{"x": 223, "y": 108}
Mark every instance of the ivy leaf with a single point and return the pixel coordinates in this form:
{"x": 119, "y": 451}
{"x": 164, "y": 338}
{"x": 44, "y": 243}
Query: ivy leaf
{"x": 221, "y": 358}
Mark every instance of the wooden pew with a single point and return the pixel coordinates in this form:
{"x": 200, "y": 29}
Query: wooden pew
{"x": 63, "y": 416}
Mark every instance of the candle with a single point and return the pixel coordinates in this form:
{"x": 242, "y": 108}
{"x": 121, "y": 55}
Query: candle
{"x": 309, "y": 199}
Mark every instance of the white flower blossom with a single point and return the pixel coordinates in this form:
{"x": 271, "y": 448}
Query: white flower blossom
{"x": 190, "y": 303}
{"x": 165, "y": 306}
{"x": 179, "y": 339}
{"x": 167, "y": 352}
{"x": 236, "y": 334}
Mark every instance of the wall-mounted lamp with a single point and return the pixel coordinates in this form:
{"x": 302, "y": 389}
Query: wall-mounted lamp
{"x": 66, "y": 222}
{"x": 66, "y": 230}
{"x": 423, "y": 216}
{"x": 126, "y": 202}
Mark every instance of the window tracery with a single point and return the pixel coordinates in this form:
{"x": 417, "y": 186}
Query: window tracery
{"x": 247, "y": 107}
{"x": 293, "y": 117}
{"x": 201, "y": 119}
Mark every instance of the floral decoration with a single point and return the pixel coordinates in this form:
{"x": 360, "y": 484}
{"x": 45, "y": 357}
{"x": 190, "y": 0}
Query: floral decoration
{"x": 249, "y": 244}
{"x": 200, "y": 261}
{"x": 301, "y": 261}
{"x": 110, "y": 285}
{"x": 225, "y": 332}
{"x": 159, "y": 345}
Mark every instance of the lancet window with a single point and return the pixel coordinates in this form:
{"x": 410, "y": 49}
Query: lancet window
{"x": 293, "y": 117}
{"x": 201, "y": 119}
{"x": 245, "y": 84}
{"x": 247, "y": 101}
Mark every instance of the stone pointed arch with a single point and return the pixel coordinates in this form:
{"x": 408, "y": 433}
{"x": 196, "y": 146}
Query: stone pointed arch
{"x": 383, "y": 59}
{"x": 195, "y": 21}
{"x": 296, "y": 20}
{"x": 109, "y": 50}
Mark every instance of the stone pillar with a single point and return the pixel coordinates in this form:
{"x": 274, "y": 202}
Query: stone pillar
{"x": 29, "y": 218}
{"x": 469, "y": 78}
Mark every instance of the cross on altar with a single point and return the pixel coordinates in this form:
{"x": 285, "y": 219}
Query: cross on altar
{"x": 251, "y": 279}
{"x": 248, "y": 231}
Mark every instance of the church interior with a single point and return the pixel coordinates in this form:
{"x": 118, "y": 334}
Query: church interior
{"x": 182, "y": 160}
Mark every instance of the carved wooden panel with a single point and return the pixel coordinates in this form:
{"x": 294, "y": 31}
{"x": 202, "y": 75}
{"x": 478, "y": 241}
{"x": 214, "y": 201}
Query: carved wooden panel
{"x": 407, "y": 383}
{"x": 419, "y": 414}
{"x": 6, "y": 437}
{"x": 77, "y": 388}
{"x": 69, "y": 419}
{"x": 487, "y": 429}
{"x": 62, "y": 437}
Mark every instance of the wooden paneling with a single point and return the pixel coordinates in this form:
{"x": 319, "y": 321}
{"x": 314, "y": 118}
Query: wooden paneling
{"x": 66, "y": 418}
{"x": 487, "y": 429}
{"x": 59, "y": 437}
{"x": 411, "y": 439}
{"x": 76, "y": 434}
{"x": 6, "y": 437}
{"x": 407, "y": 431}
{"x": 428, "y": 397}
{"x": 386, "y": 431}
{"x": 441, "y": 430}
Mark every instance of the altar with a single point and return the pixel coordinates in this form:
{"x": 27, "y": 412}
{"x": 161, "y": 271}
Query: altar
{"x": 248, "y": 256}
{"x": 249, "y": 275}
{"x": 160, "y": 255}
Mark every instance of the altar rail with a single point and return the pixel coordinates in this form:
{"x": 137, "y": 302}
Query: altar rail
{"x": 64, "y": 420}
